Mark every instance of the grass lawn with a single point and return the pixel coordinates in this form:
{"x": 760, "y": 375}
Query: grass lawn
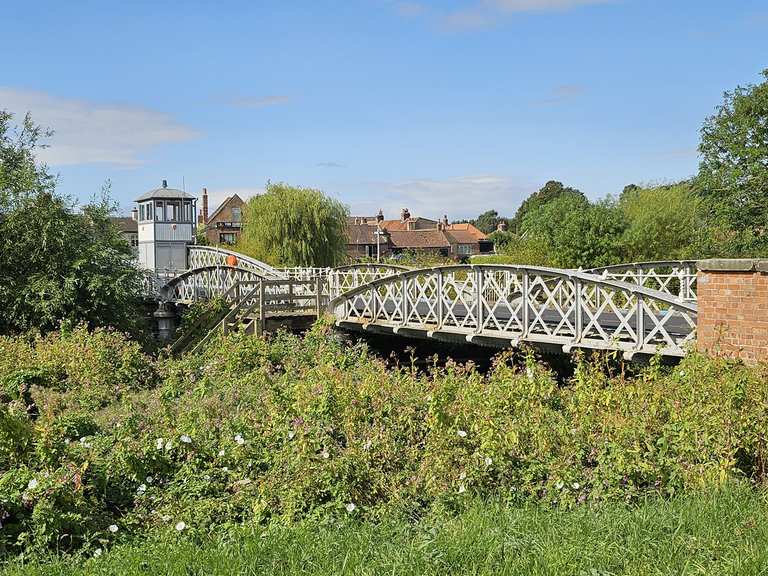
{"x": 721, "y": 533}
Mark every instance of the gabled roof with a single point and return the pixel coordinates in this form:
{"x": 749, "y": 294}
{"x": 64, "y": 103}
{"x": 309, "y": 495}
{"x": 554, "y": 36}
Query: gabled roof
{"x": 227, "y": 200}
{"x": 465, "y": 233}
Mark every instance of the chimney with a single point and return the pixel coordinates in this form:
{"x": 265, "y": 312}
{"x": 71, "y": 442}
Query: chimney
{"x": 135, "y": 214}
{"x": 445, "y": 221}
{"x": 165, "y": 183}
{"x": 380, "y": 216}
{"x": 404, "y": 214}
{"x": 205, "y": 205}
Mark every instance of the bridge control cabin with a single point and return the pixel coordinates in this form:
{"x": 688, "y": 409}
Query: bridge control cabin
{"x": 166, "y": 222}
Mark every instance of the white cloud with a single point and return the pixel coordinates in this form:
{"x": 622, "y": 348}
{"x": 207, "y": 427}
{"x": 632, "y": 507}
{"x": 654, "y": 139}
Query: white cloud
{"x": 88, "y": 133}
{"x": 259, "y": 102}
{"x": 460, "y": 197}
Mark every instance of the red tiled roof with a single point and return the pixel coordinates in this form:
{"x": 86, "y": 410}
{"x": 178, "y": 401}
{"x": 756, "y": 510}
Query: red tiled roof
{"x": 419, "y": 239}
{"x": 417, "y": 223}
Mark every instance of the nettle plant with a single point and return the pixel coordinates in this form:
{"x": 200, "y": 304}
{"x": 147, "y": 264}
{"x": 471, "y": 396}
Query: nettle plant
{"x": 99, "y": 441}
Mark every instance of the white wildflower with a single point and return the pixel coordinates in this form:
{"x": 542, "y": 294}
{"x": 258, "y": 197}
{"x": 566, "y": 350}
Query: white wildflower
{"x": 97, "y": 553}
{"x": 225, "y": 469}
{"x": 367, "y": 445}
{"x": 488, "y": 460}
{"x": 559, "y": 485}
{"x": 325, "y": 454}
{"x": 168, "y": 445}
{"x": 462, "y": 489}
{"x": 350, "y": 507}
{"x": 206, "y": 477}
{"x": 159, "y": 443}
{"x": 166, "y": 518}
{"x": 150, "y": 479}
{"x": 186, "y": 439}
{"x": 141, "y": 489}
{"x": 66, "y": 441}
{"x": 291, "y": 434}
{"x": 239, "y": 439}
{"x": 575, "y": 485}
{"x": 113, "y": 528}
{"x": 461, "y": 433}
{"x": 32, "y": 484}
{"x": 529, "y": 372}
{"x": 462, "y": 475}
{"x": 180, "y": 525}
{"x": 221, "y": 453}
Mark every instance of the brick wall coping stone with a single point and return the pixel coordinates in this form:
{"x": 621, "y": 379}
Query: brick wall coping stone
{"x": 733, "y": 265}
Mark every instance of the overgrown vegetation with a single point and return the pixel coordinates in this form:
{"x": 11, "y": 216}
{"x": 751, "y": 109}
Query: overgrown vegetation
{"x": 94, "y": 434}
{"x": 718, "y": 533}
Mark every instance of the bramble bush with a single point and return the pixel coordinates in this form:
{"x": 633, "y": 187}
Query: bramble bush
{"x": 99, "y": 442}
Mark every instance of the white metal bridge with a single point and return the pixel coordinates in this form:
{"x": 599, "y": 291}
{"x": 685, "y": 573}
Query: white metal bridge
{"x": 640, "y": 308}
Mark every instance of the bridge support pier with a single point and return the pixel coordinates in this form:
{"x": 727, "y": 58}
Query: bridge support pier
{"x": 733, "y": 308}
{"x": 165, "y": 316}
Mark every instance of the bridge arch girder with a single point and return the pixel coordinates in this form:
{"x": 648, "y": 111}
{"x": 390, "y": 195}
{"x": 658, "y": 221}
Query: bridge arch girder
{"x": 565, "y": 308}
{"x": 208, "y": 282}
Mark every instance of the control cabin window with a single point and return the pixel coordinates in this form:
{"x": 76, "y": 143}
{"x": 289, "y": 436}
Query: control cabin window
{"x": 159, "y": 216}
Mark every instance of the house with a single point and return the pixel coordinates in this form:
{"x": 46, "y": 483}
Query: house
{"x": 129, "y": 229}
{"x": 223, "y": 226}
{"x": 372, "y": 236}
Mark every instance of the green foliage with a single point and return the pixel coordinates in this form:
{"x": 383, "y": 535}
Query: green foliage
{"x": 720, "y": 532}
{"x": 733, "y": 174}
{"x": 488, "y": 221}
{"x": 576, "y": 232}
{"x": 58, "y": 265}
{"x": 552, "y": 190}
{"x": 663, "y": 222}
{"x": 294, "y": 226}
{"x": 298, "y": 428}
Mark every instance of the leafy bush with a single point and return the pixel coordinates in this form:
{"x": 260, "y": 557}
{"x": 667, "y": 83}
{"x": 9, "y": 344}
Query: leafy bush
{"x": 275, "y": 431}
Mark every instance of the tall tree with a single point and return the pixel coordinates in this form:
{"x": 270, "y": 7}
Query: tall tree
{"x": 57, "y": 264}
{"x": 294, "y": 226}
{"x": 549, "y": 192}
{"x": 733, "y": 174}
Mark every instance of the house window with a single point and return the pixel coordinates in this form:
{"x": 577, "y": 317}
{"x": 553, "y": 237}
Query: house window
{"x": 465, "y": 249}
{"x": 141, "y": 211}
{"x": 159, "y": 211}
{"x": 187, "y": 211}
{"x": 227, "y": 238}
{"x": 236, "y": 215}
{"x": 147, "y": 211}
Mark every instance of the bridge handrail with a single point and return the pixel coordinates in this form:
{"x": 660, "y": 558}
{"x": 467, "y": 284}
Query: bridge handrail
{"x": 214, "y": 251}
{"x": 164, "y": 291}
{"x": 572, "y": 274}
{"x": 584, "y": 310}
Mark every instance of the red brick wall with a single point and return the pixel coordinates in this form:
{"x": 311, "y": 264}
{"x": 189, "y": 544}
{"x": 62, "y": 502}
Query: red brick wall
{"x": 733, "y": 312}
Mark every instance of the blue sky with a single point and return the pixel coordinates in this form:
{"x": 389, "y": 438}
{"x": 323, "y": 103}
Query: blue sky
{"x": 449, "y": 107}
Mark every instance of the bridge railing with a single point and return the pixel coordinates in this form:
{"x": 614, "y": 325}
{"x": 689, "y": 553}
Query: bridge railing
{"x": 517, "y": 303}
{"x": 674, "y": 277}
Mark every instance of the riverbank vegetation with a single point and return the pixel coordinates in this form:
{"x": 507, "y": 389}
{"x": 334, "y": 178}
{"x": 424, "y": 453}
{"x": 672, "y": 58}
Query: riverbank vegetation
{"x": 101, "y": 445}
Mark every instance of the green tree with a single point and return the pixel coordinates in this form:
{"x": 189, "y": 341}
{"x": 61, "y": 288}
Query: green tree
{"x": 577, "y": 232}
{"x": 552, "y": 190}
{"x": 663, "y": 222}
{"x": 57, "y": 264}
{"x": 488, "y": 221}
{"x": 733, "y": 174}
{"x": 294, "y": 226}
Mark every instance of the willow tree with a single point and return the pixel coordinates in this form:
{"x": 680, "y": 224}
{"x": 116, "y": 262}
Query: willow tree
{"x": 294, "y": 226}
